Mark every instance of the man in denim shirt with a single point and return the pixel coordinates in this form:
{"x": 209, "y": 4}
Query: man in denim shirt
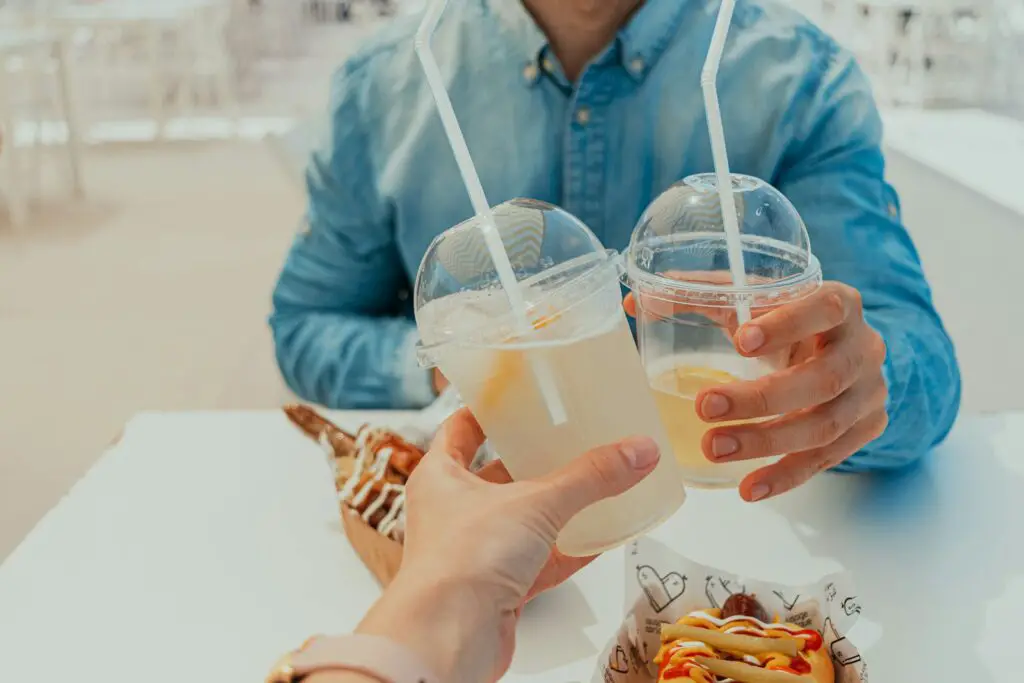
{"x": 596, "y": 107}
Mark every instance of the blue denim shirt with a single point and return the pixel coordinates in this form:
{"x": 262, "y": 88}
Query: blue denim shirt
{"x": 798, "y": 113}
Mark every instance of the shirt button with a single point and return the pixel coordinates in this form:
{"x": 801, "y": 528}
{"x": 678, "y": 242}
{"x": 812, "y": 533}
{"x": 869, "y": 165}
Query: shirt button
{"x": 893, "y": 211}
{"x": 637, "y": 65}
{"x": 583, "y": 115}
{"x": 530, "y": 72}
{"x": 548, "y": 65}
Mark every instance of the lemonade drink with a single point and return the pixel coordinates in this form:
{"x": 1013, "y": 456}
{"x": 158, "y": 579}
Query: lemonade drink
{"x": 570, "y": 382}
{"x": 690, "y": 301}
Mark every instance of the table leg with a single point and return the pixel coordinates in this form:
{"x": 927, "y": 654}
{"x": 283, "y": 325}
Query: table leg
{"x": 16, "y": 204}
{"x": 69, "y": 106}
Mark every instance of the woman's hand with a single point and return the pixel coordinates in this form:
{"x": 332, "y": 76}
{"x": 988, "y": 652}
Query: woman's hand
{"x": 826, "y": 403}
{"x": 478, "y": 546}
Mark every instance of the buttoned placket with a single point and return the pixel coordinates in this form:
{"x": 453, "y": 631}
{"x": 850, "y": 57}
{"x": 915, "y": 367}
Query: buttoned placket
{"x": 586, "y": 149}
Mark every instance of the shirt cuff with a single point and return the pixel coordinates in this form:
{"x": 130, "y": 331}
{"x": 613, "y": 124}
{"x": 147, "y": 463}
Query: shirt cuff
{"x": 886, "y": 366}
{"x": 887, "y": 378}
{"x": 415, "y": 383}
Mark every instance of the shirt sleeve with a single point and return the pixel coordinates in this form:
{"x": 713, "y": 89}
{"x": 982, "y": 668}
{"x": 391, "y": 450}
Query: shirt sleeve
{"x": 834, "y": 175}
{"x": 340, "y": 334}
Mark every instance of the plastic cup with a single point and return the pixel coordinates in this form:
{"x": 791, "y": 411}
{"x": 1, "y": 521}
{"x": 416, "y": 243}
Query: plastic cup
{"x": 678, "y": 268}
{"x": 579, "y": 336}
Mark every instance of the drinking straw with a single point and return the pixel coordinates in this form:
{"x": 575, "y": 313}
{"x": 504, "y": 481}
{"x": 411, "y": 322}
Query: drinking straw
{"x": 492, "y": 238}
{"x": 708, "y": 83}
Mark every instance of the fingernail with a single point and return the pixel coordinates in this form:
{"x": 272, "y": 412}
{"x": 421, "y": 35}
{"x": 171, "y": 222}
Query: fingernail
{"x": 759, "y": 491}
{"x": 714, "y": 405}
{"x": 640, "y": 451}
{"x": 722, "y": 446}
{"x": 751, "y": 339}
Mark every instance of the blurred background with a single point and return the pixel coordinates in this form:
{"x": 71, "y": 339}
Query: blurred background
{"x": 151, "y": 160}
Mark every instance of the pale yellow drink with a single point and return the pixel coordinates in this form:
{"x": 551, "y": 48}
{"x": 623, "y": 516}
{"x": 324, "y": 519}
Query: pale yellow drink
{"x": 594, "y": 363}
{"x": 675, "y": 391}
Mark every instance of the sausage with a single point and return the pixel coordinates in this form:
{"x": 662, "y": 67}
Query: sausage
{"x": 746, "y": 605}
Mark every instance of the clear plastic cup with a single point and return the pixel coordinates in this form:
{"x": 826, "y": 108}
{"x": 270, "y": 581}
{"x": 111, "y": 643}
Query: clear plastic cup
{"x": 578, "y": 336}
{"x": 678, "y": 268}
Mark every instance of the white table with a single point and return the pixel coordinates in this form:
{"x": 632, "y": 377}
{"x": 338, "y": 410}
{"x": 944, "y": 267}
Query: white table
{"x": 210, "y": 542}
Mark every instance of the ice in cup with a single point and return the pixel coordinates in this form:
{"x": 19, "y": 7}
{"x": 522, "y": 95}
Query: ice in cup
{"x": 678, "y": 268}
{"x": 577, "y": 336}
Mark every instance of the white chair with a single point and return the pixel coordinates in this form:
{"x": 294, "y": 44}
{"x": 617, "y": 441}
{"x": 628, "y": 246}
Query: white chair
{"x": 204, "y": 68}
{"x": 165, "y": 55}
{"x": 34, "y": 64}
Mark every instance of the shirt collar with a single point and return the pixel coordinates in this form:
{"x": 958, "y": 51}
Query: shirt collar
{"x": 640, "y": 43}
{"x": 520, "y": 27}
{"x": 648, "y": 33}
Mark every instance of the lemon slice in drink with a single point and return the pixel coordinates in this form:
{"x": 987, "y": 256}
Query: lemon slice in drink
{"x": 687, "y": 380}
{"x": 509, "y": 364}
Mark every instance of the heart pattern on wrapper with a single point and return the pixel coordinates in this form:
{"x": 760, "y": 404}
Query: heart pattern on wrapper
{"x": 661, "y": 591}
{"x": 617, "y": 662}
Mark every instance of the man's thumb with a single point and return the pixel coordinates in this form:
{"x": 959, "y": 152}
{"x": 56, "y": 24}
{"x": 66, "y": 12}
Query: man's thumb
{"x": 598, "y": 474}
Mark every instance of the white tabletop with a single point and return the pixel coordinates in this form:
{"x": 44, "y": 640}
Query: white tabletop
{"x": 210, "y": 542}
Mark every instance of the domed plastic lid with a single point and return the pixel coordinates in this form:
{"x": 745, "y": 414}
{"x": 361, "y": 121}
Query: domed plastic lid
{"x": 459, "y": 296}
{"x": 679, "y": 253}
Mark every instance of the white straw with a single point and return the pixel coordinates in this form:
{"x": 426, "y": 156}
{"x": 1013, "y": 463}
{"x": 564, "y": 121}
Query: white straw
{"x": 471, "y": 179}
{"x": 708, "y": 83}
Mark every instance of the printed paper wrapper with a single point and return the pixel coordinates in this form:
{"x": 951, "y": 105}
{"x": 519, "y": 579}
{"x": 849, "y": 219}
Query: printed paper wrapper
{"x": 662, "y": 586}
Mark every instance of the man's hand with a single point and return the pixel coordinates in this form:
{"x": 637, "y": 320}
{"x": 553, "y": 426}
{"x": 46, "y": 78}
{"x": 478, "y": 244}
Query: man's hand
{"x": 826, "y": 404}
{"x": 831, "y": 397}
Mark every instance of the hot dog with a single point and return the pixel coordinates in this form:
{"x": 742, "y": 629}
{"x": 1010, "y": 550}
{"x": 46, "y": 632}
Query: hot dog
{"x": 737, "y": 643}
{"x": 370, "y": 467}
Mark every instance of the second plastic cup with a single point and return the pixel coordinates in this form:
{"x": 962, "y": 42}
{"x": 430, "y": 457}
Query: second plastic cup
{"x": 678, "y": 268}
{"x": 578, "y": 335}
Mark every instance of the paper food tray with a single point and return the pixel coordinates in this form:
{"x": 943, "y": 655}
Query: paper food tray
{"x": 662, "y": 586}
{"x": 381, "y": 555}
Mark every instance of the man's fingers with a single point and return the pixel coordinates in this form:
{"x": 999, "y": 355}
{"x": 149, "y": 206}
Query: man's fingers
{"x": 629, "y": 305}
{"x": 460, "y": 437}
{"x": 824, "y": 310}
{"x": 818, "y": 380}
{"x": 598, "y": 474}
{"x": 797, "y": 468}
{"x": 797, "y": 431}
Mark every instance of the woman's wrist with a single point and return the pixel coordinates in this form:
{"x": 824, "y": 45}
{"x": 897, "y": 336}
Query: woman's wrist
{"x": 440, "y": 624}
